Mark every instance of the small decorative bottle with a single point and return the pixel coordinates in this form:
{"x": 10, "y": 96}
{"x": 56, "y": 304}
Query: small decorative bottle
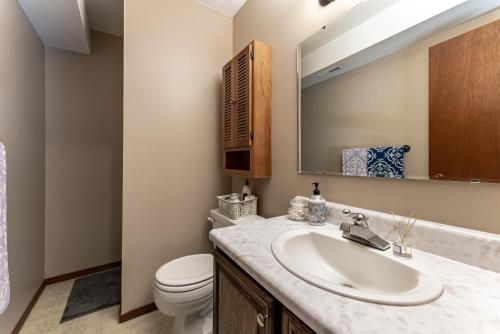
{"x": 246, "y": 188}
{"x": 317, "y": 207}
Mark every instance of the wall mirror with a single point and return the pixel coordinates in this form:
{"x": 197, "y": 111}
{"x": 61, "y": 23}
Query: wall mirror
{"x": 403, "y": 89}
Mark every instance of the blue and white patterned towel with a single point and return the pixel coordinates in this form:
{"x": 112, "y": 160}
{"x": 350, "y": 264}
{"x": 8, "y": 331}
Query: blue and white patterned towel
{"x": 4, "y": 265}
{"x": 355, "y": 161}
{"x": 386, "y": 162}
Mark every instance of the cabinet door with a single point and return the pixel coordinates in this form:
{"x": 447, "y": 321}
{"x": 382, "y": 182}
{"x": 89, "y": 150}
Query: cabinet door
{"x": 290, "y": 324}
{"x": 243, "y": 92}
{"x": 241, "y": 306}
{"x": 228, "y": 102}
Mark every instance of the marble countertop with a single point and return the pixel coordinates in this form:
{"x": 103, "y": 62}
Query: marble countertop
{"x": 469, "y": 304}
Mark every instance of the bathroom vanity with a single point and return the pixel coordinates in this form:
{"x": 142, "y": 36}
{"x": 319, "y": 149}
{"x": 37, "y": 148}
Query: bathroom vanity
{"x": 377, "y": 98}
{"x": 242, "y": 305}
{"x": 254, "y": 293}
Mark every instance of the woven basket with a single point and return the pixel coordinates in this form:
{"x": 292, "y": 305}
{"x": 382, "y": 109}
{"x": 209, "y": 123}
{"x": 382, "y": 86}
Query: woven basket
{"x": 236, "y": 210}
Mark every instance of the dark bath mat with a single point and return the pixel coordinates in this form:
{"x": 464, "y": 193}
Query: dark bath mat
{"x": 93, "y": 293}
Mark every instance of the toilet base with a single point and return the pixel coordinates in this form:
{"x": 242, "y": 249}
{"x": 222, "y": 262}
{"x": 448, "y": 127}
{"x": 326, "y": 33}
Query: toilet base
{"x": 197, "y": 323}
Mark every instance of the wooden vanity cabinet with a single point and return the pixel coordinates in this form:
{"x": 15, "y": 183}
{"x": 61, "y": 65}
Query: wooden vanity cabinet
{"x": 246, "y": 112}
{"x": 290, "y": 324}
{"x": 242, "y": 306}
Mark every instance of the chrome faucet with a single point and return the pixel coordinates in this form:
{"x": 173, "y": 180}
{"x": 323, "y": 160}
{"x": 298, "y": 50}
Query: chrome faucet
{"x": 360, "y": 232}
{"x": 358, "y": 218}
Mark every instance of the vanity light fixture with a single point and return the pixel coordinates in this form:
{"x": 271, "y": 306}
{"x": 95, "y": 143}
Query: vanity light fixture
{"x": 325, "y": 2}
{"x": 335, "y": 69}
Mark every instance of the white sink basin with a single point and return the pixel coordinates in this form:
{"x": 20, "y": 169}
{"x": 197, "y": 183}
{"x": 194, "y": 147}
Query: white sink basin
{"x": 344, "y": 267}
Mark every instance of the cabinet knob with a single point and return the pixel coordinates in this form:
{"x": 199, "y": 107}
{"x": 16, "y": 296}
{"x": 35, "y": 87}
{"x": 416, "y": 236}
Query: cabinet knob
{"x": 233, "y": 101}
{"x": 439, "y": 176}
{"x": 261, "y": 319}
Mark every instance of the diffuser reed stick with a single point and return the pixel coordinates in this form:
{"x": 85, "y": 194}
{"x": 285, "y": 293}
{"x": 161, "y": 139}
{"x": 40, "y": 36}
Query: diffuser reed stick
{"x": 403, "y": 230}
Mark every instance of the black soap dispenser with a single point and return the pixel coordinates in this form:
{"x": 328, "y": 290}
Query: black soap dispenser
{"x": 317, "y": 207}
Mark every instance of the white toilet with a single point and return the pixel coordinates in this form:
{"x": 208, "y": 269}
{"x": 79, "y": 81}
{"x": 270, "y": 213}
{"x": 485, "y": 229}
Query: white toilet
{"x": 183, "y": 287}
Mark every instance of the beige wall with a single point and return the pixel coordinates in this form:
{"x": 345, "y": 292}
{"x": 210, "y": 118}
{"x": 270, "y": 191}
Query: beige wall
{"x": 174, "y": 53}
{"x": 382, "y": 103}
{"x": 84, "y": 118}
{"x": 284, "y": 24}
{"x": 22, "y": 132}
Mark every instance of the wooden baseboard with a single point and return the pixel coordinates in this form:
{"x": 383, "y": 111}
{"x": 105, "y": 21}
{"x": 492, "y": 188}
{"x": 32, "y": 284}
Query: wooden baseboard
{"x": 26, "y": 312}
{"x": 57, "y": 279}
{"x": 137, "y": 312}
{"x": 81, "y": 273}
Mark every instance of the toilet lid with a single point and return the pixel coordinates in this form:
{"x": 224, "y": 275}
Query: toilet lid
{"x": 187, "y": 270}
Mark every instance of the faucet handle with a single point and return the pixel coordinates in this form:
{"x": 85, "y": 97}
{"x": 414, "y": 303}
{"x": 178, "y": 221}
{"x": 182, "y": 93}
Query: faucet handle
{"x": 346, "y": 212}
{"x": 359, "y": 218}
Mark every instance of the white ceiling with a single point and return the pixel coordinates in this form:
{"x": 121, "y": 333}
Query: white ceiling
{"x": 59, "y": 23}
{"x": 106, "y": 16}
{"x": 65, "y": 24}
{"x": 226, "y": 7}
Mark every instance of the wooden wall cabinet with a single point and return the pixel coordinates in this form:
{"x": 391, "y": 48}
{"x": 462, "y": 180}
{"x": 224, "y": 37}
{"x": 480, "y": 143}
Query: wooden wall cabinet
{"x": 242, "y": 306}
{"x": 246, "y": 112}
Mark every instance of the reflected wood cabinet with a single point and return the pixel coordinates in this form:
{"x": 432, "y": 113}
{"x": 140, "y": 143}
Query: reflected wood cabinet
{"x": 242, "y": 306}
{"x": 246, "y": 112}
{"x": 464, "y": 106}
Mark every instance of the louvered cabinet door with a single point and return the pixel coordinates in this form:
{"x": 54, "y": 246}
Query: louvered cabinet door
{"x": 228, "y": 102}
{"x": 242, "y": 113}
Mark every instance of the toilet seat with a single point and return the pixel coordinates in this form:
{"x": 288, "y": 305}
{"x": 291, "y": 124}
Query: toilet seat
{"x": 183, "y": 288}
{"x": 187, "y": 271}
{"x": 192, "y": 296}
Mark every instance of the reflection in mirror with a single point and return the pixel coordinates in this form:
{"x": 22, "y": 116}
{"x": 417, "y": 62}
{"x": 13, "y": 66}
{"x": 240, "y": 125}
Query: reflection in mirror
{"x": 419, "y": 103}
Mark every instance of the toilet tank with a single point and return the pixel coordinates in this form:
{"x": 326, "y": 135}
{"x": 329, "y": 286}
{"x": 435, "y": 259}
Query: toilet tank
{"x": 219, "y": 220}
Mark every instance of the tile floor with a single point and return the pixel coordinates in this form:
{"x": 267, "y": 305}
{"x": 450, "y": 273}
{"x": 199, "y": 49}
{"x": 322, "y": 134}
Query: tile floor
{"x": 45, "y": 317}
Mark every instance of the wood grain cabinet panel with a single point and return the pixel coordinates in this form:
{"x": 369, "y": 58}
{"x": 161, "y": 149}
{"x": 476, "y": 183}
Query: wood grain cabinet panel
{"x": 464, "y": 106}
{"x": 246, "y": 112}
{"x": 290, "y": 324}
{"x": 240, "y": 305}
